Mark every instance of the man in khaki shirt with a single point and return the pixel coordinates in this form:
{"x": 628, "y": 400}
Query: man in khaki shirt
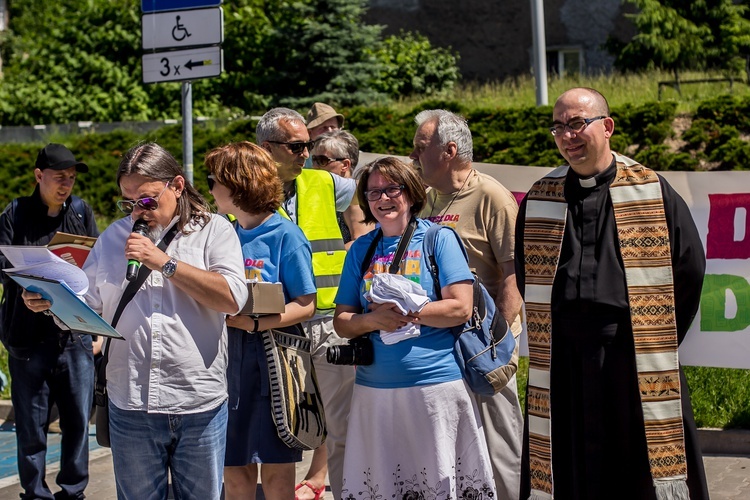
{"x": 483, "y": 212}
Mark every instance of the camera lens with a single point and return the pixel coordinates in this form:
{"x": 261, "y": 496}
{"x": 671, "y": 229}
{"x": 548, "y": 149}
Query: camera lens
{"x": 340, "y": 355}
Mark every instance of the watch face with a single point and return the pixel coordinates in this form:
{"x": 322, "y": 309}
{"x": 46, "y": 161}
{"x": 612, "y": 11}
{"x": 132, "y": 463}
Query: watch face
{"x": 169, "y": 268}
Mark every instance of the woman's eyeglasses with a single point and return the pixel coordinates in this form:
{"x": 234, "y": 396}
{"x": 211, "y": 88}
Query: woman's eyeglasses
{"x": 211, "y": 179}
{"x": 145, "y": 203}
{"x": 323, "y": 160}
{"x": 296, "y": 147}
{"x": 390, "y": 192}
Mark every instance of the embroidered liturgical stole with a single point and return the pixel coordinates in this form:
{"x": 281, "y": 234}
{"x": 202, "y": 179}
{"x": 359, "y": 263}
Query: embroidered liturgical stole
{"x": 645, "y": 249}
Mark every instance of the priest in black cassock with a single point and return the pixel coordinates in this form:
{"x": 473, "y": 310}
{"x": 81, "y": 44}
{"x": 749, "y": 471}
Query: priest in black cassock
{"x": 610, "y": 265}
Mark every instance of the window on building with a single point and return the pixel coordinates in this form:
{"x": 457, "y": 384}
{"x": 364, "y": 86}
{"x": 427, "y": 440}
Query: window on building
{"x": 565, "y": 61}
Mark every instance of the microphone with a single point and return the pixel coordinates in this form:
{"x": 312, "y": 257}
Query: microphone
{"x": 140, "y": 227}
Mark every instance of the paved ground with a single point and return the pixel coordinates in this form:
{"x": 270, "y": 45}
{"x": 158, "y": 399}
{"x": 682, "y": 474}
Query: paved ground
{"x": 728, "y": 475}
{"x": 101, "y": 484}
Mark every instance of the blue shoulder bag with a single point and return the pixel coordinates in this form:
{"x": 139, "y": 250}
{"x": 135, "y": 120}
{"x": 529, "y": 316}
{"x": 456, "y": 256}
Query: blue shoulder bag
{"x": 484, "y": 344}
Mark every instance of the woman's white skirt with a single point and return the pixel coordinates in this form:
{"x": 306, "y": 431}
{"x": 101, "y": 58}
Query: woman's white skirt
{"x": 415, "y": 443}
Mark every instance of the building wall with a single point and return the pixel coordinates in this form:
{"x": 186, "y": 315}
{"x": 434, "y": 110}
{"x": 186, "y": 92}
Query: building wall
{"x": 493, "y": 37}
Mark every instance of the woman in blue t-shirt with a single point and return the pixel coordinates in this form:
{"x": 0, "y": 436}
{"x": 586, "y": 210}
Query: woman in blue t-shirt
{"x": 414, "y": 431}
{"x": 244, "y": 182}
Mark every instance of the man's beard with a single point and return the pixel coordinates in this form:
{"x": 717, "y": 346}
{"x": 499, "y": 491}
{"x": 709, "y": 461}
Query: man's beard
{"x": 155, "y": 232}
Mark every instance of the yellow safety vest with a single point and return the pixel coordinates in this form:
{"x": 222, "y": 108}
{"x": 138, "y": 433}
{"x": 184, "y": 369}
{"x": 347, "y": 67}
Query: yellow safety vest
{"x": 316, "y": 216}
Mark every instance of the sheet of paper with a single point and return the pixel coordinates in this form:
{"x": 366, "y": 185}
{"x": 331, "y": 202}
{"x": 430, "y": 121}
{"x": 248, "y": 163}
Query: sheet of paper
{"x": 41, "y": 262}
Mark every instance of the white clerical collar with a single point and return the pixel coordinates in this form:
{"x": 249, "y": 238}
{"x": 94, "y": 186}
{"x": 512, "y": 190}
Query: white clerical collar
{"x": 588, "y": 183}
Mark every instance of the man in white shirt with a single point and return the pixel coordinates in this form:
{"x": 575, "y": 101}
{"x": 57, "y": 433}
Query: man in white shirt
{"x": 167, "y": 380}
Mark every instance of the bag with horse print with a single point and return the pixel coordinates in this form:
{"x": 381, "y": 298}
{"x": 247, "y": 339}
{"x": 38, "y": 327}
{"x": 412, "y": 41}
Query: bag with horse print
{"x": 295, "y": 397}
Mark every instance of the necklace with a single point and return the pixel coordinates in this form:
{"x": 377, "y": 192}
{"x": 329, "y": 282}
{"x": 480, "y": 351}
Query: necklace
{"x": 445, "y": 210}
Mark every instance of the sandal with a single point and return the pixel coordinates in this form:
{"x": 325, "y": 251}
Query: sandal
{"x": 318, "y": 491}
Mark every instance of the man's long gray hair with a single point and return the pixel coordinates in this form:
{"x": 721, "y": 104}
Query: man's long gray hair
{"x": 450, "y": 128}
{"x": 268, "y": 127}
{"x": 154, "y": 162}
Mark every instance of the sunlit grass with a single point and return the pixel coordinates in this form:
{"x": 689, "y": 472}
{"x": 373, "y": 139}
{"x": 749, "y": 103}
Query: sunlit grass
{"x": 619, "y": 89}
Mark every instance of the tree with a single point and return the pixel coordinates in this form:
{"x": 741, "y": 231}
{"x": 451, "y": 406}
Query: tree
{"x": 732, "y": 29}
{"x": 299, "y": 51}
{"x": 410, "y": 65}
{"x": 681, "y": 35}
{"x": 667, "y": 38}
{"x": 290, "y": 52}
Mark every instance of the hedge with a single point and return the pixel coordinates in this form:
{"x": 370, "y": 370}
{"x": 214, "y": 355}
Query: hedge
{"x": 715, "y": 138}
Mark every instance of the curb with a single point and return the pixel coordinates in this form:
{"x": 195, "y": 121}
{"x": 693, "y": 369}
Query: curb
{"x": 713, "y": 441}
{"x": 724, "y": 441}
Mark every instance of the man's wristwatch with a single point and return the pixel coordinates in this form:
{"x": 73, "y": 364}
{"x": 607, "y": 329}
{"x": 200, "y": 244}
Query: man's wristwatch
{"x": 169, "y": 268}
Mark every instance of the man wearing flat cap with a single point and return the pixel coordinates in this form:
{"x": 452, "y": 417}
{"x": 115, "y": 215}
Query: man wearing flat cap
{"x": 47, "y": 365}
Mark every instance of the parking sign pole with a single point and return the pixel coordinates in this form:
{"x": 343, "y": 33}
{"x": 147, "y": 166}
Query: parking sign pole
{"x": 187, "y": 130}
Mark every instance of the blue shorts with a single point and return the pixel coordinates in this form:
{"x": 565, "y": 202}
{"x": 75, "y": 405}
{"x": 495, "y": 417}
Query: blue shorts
{"x": 251, "y": 431}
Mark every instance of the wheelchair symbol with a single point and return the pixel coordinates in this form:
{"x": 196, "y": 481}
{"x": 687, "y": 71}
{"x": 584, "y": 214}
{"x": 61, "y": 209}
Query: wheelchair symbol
{"x": 179, "y": 32}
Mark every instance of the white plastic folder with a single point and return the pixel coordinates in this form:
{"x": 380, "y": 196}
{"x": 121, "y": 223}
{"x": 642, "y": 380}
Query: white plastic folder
{"x": 69, "y": 308}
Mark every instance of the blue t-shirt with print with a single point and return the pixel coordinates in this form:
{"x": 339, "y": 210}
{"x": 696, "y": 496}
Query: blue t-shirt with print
{"x": 428, "y": 358}
{"x": 277, "y": 251}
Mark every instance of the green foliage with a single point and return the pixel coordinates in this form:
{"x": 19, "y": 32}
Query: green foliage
{"x": 669, "y": 37}
{"x": 410, "y": 65}
{"x": 715, "y": 135}
{"x": 276, "y": 52}
{"x": 681, "y": 34}
{"x": 296, "y": 52}
{"x": 716, "y": 138}
{"x": 732, "y": 39}
{"x": 56, "y": 72}
{"x": 720, "y": 396}
{"x": 330, "y": 59}
{"x": 517, "y": 136}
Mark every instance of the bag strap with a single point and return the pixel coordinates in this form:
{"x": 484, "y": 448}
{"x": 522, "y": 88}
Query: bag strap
{"x": 403, "y": 244}
{"x": 370, "y": 252}
{"x": 128, "y": 295}
{"x": 430, "y": 238}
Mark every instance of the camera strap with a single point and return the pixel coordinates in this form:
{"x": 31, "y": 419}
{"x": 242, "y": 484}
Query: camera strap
{"x": 403, "y": 244}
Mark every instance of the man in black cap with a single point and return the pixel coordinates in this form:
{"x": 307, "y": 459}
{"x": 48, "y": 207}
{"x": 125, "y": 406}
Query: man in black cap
{"x": 47, "y": 365}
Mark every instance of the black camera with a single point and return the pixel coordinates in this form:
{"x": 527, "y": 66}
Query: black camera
{"x": 358, "y": 351}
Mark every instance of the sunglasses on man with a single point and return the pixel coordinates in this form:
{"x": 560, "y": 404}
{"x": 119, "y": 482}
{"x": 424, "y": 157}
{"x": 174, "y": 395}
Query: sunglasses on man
{"x": 296, "y": 147}
{"x": 145, "y": 203}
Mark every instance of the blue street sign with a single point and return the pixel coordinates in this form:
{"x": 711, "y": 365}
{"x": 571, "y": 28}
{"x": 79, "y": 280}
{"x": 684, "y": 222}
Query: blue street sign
{"x": 164, "y": 5}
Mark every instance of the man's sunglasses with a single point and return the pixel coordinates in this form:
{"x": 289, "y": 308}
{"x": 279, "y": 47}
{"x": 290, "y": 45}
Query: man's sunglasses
{"x": 145, "y": 203}
{"x": 296, "y": 147}
{"x": 211, "y": 179}
{"x": 323, "y": 160}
